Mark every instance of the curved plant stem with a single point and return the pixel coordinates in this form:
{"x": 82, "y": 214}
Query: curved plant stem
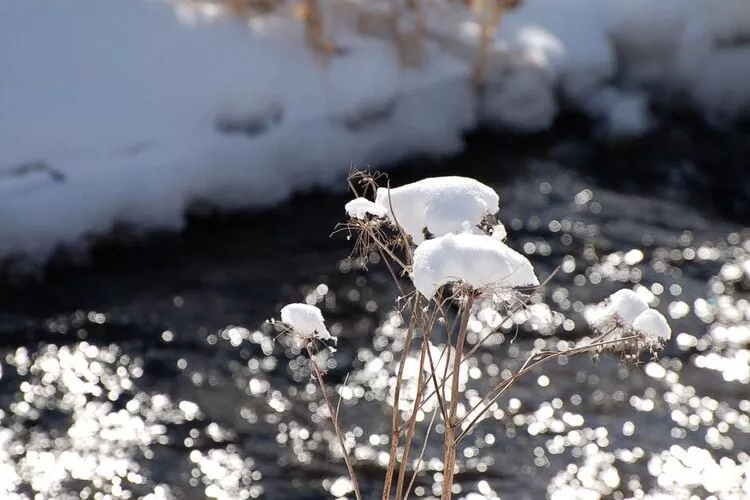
{"x": 420, "y": 460}
{"x": 412, "y": 424}
{"x": 499, "y": 389}
{"x": 395, "y": 434}
{"x": 449, "y": 449}
{"x": 335, "y": 421}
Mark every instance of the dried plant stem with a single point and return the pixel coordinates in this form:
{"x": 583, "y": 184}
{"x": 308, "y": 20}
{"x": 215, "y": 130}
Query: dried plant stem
{"x": 427, "y": 327}
{"x": 383, "y": 247}
{"x": 420, "y": 460}
{"x": 412, "y": 423}
{"x": 544, "y": 356}
{"x": 437, "y": 392}
{"x": 395, "y": 434}
{"x": 333, "y": 412}
{"x": 479, "y": 344}
{"x": 449, "y": 449}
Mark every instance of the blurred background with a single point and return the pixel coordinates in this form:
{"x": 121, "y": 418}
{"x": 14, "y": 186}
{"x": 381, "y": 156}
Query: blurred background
{"x": 171, "y": 172}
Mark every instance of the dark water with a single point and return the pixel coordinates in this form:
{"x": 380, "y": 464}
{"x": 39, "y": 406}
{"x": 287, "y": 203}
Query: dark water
{"x": 148, "y": 373}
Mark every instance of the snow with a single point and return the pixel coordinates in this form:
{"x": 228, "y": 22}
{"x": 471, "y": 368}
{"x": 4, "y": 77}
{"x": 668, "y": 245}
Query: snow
{"x": 499, "y": 232}
{"x": 360, "y": 208}
{"x": 653, "y": 324}
{"x": 626, "y": 311}
{"x": 627, "y": 305}
{"x": 440, "y": 204}
{"x": 146, "y": 114}
{"x": 475, "y": 259}
{"x": 306, "y": 320}
{"x": 148, "y": 107}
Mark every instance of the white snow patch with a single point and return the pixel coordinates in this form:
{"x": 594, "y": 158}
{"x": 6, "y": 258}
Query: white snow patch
{"x": 627, "y": 305}
{"x": 499, "y": 232}
{"x": 360, "y": 208}
{"x": 653, "y": 324}
{"x": 475, "y": 259}
{"x": 146, "y": 112}
{"x": 306, "y": 321}
{"x": 440, "y": 204}
{"x": 203, "y": 107}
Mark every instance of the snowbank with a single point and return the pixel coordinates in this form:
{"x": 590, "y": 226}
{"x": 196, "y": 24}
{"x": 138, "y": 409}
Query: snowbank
{"x": 145, "y": 113}
{"x": 132, "y": 110}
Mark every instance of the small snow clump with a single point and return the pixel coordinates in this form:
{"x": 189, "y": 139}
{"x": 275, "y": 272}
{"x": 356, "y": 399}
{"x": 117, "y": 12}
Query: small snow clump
{"x": 306, "y": 321}
{"x": 627, "y": 305}
{"x": 360, "y": 208}
{"x": 653, "y": 324}
{"x": 624, "y": 316}
{"x": 499, "y": 232}
{"x": 475, "y": 259}
{"x": 439, "y": 204}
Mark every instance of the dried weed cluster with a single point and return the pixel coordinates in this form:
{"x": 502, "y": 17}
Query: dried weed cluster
{"x": 624, "y": 324}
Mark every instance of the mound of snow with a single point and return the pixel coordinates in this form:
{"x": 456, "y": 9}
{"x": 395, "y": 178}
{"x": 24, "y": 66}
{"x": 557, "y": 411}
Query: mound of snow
{"x": 360, "y": 208}
{"x": 625, "y": 311}
{"x": 475, "y": 259}
{"x": 147, "y": 107}
{"x": 439, "y": 204}
{"x": 306, "y": 321}
{"x": 653, "y": 324}
{"x": 627, "y": 305}
{"x": 142, "y": 108}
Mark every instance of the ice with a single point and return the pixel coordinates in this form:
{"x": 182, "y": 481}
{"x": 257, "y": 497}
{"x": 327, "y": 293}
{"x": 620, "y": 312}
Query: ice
{"x": 475, "y": 259}
{"x": 627, "y": 305}
{"x": 439, "y": 204}
{"x": 360, "y": 208}
{"x": 306, "y": 320}
{"x": 653, "y": 324}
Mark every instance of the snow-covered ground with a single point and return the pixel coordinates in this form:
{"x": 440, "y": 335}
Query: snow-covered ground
{"x": 132, "y": 110}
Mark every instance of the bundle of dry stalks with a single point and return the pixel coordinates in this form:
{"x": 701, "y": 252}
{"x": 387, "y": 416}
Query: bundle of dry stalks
{"x": 377, "y": 231}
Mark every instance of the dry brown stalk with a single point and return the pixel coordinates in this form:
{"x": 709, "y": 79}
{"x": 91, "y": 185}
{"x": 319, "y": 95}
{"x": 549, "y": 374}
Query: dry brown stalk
{"x": 499, "y": 389}
{"x": 387, "y": 237}
{"x": 412, "y": 424}
{"x": 395, "y": 434}
{"x": 449, "y": 449}
{"x": 334, "y": 421}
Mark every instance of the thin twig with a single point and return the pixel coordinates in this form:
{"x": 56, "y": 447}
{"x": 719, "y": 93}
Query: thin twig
{"x": 412, "y": 424}
{"x": 421, "y": 454}
{"x": 504, "y": 385}
{"x": 395, "y": 435}
{"x": 335, "y": 422}
{"x": 449, "y": 447}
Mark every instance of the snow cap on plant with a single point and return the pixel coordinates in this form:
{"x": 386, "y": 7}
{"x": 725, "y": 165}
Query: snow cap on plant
{"x": 438, "y": 205}
{"x": 306, "y": 321}
{"x": 626, "y": 321}
{"x": 477, "y": 260}
{"x": 362, "y": 208}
